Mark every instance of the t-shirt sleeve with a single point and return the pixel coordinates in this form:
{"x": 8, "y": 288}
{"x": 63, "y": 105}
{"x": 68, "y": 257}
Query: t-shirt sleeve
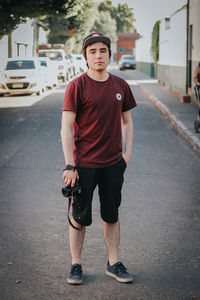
{"x": 129, "y": 100}
{"x": 72, "y": 97}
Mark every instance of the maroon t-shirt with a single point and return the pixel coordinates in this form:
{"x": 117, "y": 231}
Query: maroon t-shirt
{"x": 97, "y": 128}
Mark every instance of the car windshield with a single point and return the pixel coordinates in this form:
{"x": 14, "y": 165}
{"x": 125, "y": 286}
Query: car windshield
{"x": 53, "y": 55}
{"x": 20, "y": 64}
{"x": 128, "y": 58}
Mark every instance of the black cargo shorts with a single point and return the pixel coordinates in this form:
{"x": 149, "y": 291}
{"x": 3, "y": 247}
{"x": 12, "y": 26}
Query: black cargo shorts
{"x": 109, "y": 181}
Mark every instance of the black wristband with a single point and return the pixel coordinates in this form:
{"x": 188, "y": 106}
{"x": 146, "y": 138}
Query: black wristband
{"x": 69, "y": 167}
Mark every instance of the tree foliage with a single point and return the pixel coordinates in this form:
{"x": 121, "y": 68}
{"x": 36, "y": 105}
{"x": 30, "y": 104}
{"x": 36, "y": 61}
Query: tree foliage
{"x": 124, "y": 18}
{"x": 155, "y": 41}
{"x": 122, "y": 14}
{"x": 68, "y": 21}
{"x": 59, "y": 31}
{"x": 105, "y": 24}
{"x": 14, "y": 12}
{"x": 90, "y": 17}
{"x": 71, "y": 27}
{"x": 84, "y": 22}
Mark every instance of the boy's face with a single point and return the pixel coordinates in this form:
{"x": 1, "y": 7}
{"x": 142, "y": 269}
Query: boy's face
{"x": 97, "y": 56}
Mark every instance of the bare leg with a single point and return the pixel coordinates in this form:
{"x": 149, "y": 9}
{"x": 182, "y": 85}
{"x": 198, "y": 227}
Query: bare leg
{"x": 112, "y": 238}
{"x": 76, "y": 239}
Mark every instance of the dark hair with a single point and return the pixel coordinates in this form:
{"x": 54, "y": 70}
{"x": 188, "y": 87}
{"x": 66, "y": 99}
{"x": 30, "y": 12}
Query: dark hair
{"x": 199, "y": 64}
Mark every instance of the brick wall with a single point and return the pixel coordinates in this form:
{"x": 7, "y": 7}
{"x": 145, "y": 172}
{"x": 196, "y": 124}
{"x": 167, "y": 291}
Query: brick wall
{"x": 127, "y": 45}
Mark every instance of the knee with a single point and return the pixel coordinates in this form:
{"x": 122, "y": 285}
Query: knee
{"x": 109, "y": 224}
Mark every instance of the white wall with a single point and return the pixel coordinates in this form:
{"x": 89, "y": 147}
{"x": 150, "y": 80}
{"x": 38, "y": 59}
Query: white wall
{"x": 143, "y": 49}
{"x": 23, "y": 34}
{"x": 3, "y": 51}
{"x": 146, "y": 13}
{"x": 195, "y": 21}
{"x": 173, "y": 40}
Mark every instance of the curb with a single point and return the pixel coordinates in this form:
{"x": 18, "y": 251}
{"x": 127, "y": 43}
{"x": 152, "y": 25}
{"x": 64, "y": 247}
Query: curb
{"x": 187, "y": 134}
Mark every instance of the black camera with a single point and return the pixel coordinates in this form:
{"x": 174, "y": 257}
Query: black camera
{"x": 69, "y": 191}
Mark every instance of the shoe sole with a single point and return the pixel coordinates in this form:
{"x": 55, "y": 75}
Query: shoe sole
{"x": 124, "y": 280}
{"x": 71, "y": 281}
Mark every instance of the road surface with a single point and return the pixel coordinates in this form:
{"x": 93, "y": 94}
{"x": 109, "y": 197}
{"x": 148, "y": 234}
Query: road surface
{"x": 159, "y": 216}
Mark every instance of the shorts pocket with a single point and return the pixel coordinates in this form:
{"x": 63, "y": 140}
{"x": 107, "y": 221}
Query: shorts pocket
{"x": 124, "y": 164}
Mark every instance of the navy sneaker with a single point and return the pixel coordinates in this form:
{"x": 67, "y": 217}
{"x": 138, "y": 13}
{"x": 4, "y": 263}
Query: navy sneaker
{"x": 76, "y": 274}
{"x": 118, "y": 271}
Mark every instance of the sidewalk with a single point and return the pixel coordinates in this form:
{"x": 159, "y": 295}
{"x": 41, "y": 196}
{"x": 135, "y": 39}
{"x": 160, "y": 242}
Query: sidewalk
{"x": 181, "y": 115}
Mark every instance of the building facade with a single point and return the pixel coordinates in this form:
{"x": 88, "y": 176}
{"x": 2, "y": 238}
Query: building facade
{"x": 171, "y": 67}
{"x": 126, "y": 44}
{"x": 179, "y": 48}
{"x": 22, "y": 41}
{"x": 193, "y": 42}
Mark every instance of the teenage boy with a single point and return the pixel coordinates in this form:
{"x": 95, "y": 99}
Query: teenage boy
{"x": 96, "y": 113}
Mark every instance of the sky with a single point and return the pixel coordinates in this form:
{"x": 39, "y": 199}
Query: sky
{"x": 147, "y": 12}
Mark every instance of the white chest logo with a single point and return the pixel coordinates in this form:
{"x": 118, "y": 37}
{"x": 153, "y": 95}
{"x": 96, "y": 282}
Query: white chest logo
{"x": 118, "y": 96}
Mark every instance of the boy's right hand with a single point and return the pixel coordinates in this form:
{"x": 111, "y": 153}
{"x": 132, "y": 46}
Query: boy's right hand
{"x": 70, "y": 177}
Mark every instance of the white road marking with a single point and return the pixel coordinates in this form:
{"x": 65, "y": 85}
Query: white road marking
{"x": 136, "y": 82}
{"x": 131, "y": 82}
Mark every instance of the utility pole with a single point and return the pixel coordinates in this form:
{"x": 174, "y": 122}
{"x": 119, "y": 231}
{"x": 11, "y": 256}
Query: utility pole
{"x": 35, "y": 36}
{"x": 187, "y": 47}
{"x": 10, "y": 44}
{"x": 187, "y": 97}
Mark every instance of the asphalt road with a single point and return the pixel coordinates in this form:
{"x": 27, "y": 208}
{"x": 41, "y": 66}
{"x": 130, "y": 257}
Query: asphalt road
{"x": 160, "y": 220}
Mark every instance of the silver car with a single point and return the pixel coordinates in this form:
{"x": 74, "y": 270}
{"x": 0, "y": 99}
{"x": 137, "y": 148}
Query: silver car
{"x": 127, "y": 62}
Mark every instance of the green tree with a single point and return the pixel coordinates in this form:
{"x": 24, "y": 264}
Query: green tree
{"x": 122, "y": 14}
{"x": 70, "y": 27}
{"x": 124, "y": 18}
{"x": 89, "y": 16}
{"x": 84, "y": 22}
{"x": 58, "y": 29}
{"x": 105, "y": 24}
{"x": 155, "y": 41}
{"x": 107, "y": 6}
{"x": 14, "y": 12}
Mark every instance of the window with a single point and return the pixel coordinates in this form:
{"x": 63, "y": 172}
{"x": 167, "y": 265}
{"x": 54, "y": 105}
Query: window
{"x": 20, "y": 64}
{"x": 167, "y": 23}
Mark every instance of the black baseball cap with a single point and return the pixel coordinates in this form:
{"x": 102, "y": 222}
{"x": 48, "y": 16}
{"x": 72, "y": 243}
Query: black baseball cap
{"x": 94, "y": 38}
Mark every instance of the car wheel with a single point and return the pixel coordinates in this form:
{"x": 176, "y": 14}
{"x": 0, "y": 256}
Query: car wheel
{"x": 39, "y": 92}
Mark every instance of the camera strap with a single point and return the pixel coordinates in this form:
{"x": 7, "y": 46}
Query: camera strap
{"x": 68, "y": 210}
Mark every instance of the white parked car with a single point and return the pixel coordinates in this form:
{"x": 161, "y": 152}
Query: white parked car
{"x": 22, "y": 76}
{"x": 2, "y": 86}
{"x": 61, "y": 60}
{"x": 81, "y": 62}
{"x": 75, "y": 64}
{"x": 50, "y": 72}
